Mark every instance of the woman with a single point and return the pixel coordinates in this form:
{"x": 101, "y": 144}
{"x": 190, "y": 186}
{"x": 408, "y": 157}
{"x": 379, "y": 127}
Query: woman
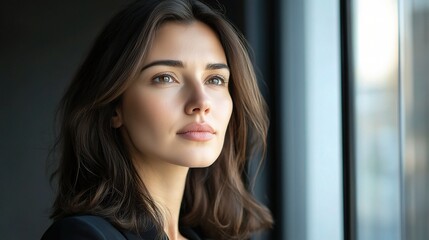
{"x": 156, "y": 129}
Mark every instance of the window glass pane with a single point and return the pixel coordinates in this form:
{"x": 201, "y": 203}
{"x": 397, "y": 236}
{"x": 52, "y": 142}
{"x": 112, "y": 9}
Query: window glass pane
{"x": 414, "y": 37}
{"x": 377, "y": 128}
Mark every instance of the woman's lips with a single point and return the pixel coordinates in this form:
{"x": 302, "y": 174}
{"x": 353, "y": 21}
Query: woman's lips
{"x": 199, "y": 132}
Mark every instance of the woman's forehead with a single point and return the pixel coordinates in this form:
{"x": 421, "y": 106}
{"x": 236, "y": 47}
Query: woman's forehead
{"x": 186, "y": 41}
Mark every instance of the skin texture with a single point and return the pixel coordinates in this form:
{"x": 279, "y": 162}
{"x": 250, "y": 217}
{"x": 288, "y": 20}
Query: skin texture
{"x": 167, "y": 100}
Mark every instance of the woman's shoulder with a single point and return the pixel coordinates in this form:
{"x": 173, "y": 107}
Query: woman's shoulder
{"x": 82, "y": 227}
{"x": 90, "y": 227}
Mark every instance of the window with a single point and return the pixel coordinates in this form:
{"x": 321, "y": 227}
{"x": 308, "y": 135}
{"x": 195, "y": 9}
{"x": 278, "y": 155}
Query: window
{"x": 347, "y": 85}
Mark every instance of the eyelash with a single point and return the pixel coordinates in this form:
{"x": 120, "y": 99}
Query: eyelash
{"x": 157, "y": 79}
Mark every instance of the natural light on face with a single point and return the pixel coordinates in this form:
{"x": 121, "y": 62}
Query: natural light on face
{"x": 178, "y": 110}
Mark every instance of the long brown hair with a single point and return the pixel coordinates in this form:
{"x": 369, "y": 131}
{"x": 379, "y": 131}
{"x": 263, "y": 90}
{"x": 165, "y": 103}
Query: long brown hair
{"x": 95, "y": 172}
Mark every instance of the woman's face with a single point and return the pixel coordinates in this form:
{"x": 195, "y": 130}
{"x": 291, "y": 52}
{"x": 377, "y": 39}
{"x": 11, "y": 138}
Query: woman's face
{"x": 178, "y": 109}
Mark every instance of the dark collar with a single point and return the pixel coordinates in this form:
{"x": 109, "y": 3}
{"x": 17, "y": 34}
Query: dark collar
{"x": 74, "y": 227}
{"x": 149, "y": 235}
{"x": 187, "y": 232}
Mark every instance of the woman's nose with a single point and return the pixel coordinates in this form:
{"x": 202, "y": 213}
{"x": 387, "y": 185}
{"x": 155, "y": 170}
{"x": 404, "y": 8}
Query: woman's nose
{"x": 198, "y": 101}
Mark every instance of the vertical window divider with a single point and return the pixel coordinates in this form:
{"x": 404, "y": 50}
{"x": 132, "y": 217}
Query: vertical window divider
{"x": 347, "y": 108}
{"x": 401, "y": 112}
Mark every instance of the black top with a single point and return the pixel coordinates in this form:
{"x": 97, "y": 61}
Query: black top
{"x": 88, "y": 227}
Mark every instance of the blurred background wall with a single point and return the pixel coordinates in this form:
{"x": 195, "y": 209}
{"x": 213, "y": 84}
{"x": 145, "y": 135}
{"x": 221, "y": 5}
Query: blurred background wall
{"x": 41, "y": 45}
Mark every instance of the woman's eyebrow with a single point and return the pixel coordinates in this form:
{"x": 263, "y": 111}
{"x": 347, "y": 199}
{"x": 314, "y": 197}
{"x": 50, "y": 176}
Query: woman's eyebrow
{"x": 214, "y": 66}
{"x": 170, "y": 63}
{"x": 177, "y": 63}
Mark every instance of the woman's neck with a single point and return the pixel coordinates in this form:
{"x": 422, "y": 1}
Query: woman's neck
{"x": 166, "y": 184}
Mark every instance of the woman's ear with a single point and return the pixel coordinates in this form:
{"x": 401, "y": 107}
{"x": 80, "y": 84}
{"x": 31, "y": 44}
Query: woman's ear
{"x": 117, "y": 117}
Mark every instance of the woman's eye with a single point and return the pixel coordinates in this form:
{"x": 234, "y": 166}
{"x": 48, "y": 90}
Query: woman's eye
{"x": 218, "y": 81}
{"x": 163, "y": 79}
